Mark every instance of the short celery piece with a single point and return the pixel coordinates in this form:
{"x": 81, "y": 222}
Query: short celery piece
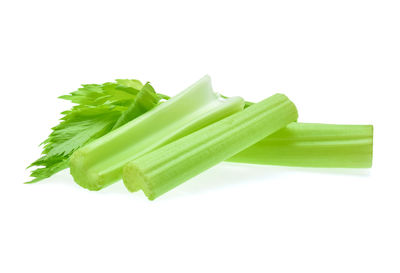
{"x": 100, "y": 163}
{"x": 313, "y": 145}
{"x": 167, "y": 167}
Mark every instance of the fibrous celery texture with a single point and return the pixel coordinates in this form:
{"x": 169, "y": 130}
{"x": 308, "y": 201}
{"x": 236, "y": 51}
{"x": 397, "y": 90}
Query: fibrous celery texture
{"x": 100, "y": 163}
{"x": 313, "y": 145}
{"x": 167, "y": 167}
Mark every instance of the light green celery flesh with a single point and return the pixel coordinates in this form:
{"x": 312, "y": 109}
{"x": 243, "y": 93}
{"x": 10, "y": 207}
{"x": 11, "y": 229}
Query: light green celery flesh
{"x": 100, "y": 163}
{"x": 313, "y": 145}
{"x": 167, "y": 167}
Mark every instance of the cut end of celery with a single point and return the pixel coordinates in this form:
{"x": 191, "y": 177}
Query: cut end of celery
{"x": 82, "y": 175}
{"x": 165, "y": 168}
{"x": 131, "y": 178}
{"x": 371, "y": 127}
{"x": 135, "y": 180}
{"x": 100, "y": 163}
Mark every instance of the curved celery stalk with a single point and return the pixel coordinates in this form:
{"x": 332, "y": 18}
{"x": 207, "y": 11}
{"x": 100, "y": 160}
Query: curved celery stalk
{"x": 167, "y": 167}
{"x": 100, "y": 163}
{"x": 313, "y": 145}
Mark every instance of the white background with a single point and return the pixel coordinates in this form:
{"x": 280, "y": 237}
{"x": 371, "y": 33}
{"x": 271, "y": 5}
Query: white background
{"x": 339, "y": 61}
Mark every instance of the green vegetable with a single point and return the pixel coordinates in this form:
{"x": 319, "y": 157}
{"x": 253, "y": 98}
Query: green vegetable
{"x": 99, "y": 108}
{"x": 105, "y": 107}
{"x": 313, "y": 145}
{"x": 167, "y": 167}
{"x": 99, "y": 163}
{"x": 145, "y": 100}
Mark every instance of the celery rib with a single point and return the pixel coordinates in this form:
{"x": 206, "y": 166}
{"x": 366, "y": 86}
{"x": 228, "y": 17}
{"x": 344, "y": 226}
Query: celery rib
{"x": 313, "y": 145}
{"x": 100, "y": 163}
{"x": 167, "y": 167}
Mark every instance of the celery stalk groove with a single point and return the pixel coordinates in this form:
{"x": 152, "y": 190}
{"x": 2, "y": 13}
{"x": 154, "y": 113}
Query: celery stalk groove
{"x": 167, "y": 167}
{"x": 100, "y": 163}
{"x": 313, "y": 145}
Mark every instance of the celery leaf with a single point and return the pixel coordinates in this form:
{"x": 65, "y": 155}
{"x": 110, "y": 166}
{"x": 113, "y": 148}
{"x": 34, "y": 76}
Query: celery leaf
{"x": 99, "y": 107}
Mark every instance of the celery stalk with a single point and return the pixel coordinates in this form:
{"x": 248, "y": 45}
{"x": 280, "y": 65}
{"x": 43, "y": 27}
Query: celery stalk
{"x": 100, "y": 163}
{"x": 167, "y": 167}
{"x": 313, "y": 145}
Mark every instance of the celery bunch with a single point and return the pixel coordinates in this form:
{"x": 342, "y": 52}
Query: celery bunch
{"x": 156, "y": 142}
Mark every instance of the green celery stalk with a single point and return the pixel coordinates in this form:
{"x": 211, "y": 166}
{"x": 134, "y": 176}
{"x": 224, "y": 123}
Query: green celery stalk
{"x": 100, "y": 163}
{"x": 167, "y": 167}
{"x": 313, "y": 145}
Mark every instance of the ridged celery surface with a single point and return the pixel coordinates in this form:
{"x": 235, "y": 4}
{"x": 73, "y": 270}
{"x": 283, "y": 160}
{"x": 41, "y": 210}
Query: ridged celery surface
{"x": 313, "y": 145}
{"x": 167, "y": 167}
{"x": 100, "y": 163}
